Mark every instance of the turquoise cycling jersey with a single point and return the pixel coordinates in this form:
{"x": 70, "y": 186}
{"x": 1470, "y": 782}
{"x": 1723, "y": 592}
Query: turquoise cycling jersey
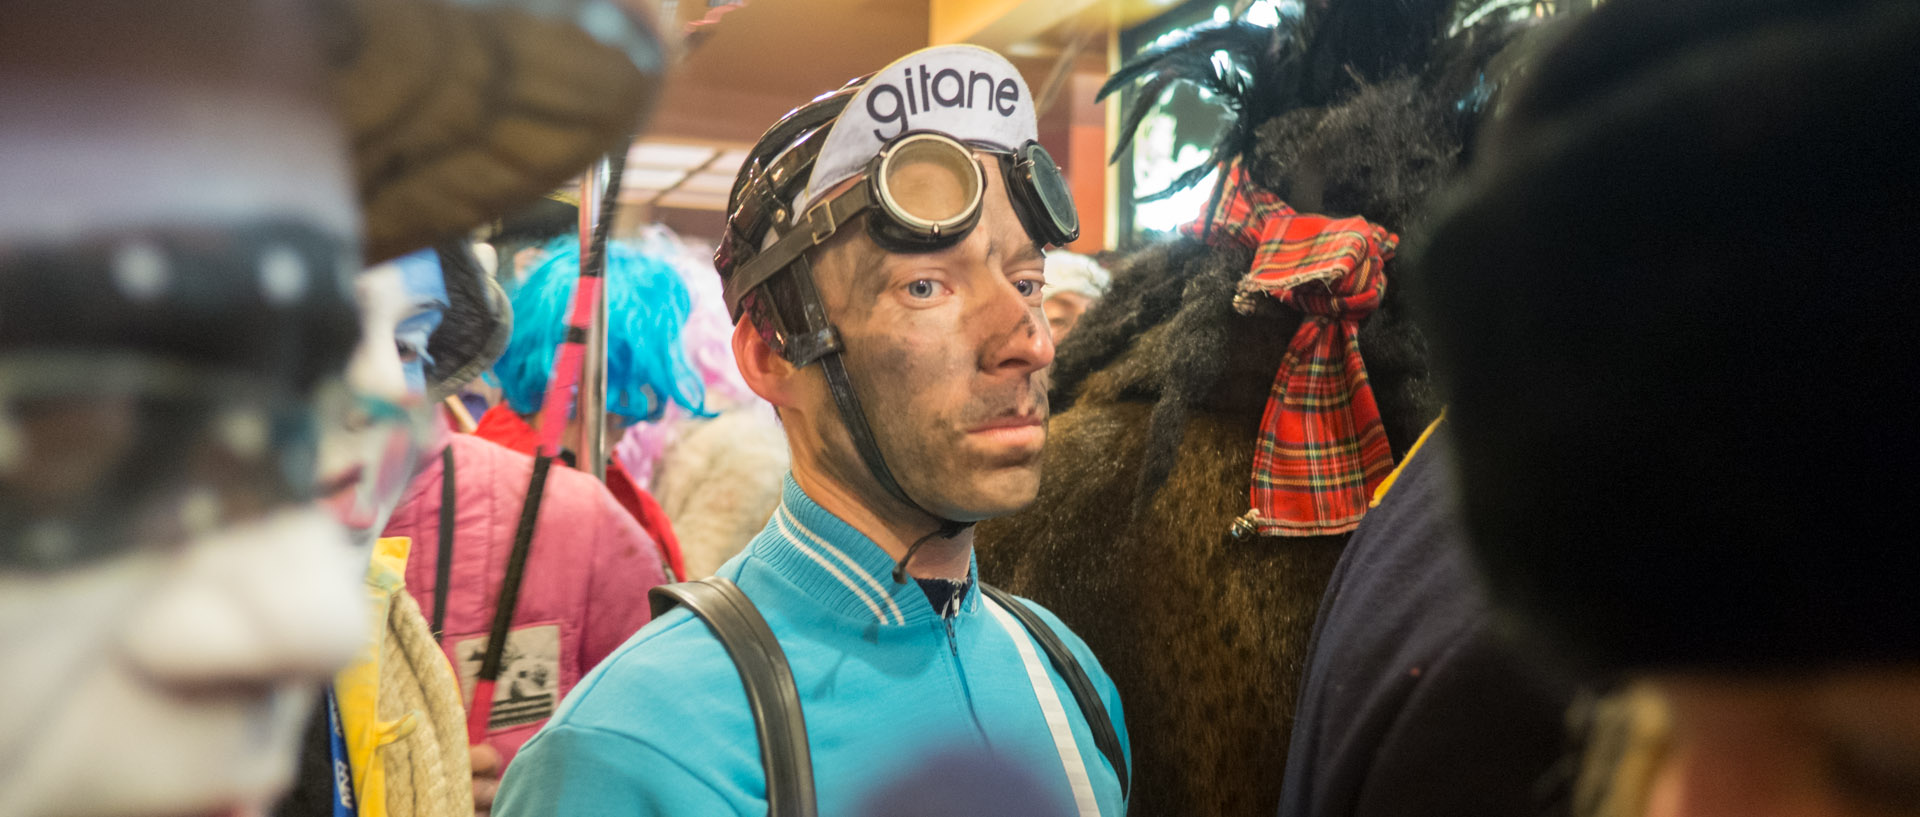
{"x": 662, "y": 726}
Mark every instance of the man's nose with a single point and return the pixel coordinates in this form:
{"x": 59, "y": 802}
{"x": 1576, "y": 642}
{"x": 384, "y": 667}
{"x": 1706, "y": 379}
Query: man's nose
{"x": 1020, "y": 343}
{"x": 275, "y": 600}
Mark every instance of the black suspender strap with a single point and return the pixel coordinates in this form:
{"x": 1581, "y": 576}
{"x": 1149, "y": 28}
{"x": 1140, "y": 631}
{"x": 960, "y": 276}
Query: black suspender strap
{"x": 1091, "y": 707}
{"x": 443, "y": 568}
{"x": 509, "y": 598}
{"x": 771, "y": 693}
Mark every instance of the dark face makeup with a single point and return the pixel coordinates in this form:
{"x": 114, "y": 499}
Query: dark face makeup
{"x": 948, "y": 352}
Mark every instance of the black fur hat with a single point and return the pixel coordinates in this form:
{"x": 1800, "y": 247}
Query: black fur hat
{"x": 478, "y": 323}
{"x": 1673, "y": 309}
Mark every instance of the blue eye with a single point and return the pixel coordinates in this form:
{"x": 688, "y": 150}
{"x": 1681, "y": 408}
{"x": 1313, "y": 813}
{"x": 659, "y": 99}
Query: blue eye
{"x": 923, "y": 288}
{"x": 1029, "y": 287}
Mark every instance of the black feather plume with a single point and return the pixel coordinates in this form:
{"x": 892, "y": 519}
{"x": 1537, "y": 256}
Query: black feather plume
{"x": 1250, "y": 54}
{"x": 1315, "y": 57}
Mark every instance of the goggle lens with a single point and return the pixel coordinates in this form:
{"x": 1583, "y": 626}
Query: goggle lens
{"x": 1055, "y": 199}
{"x": 931, "y": 183}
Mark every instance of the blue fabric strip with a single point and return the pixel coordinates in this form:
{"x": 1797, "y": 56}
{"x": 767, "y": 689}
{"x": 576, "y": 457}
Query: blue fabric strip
{"x": 343, "y": 803}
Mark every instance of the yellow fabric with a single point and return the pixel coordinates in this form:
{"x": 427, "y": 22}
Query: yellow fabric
{"x": 357, "y": 687}
{"x": 1387, "y": 484}
{"x": 400, "y": 709}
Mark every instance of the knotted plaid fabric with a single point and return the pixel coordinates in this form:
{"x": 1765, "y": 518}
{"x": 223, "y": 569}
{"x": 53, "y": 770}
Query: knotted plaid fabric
{"x": 1322, "y": 447}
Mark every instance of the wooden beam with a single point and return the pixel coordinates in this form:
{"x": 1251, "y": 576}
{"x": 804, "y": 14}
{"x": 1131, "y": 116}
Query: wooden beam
{"x": 998, "y": 24}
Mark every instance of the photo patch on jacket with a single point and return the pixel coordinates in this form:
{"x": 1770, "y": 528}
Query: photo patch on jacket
{"x": 529, "y": 685}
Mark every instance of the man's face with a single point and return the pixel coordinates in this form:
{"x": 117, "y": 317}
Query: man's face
{"x": 948, "y": 352}
{"x": 1841, "y": 744}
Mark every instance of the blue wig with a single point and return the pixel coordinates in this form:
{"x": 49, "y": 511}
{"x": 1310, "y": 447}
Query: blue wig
{"x": 647, "y": 306}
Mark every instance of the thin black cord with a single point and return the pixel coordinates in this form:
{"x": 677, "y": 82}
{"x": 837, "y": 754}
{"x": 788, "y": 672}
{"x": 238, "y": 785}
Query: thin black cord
{"x": 947, "y": 530}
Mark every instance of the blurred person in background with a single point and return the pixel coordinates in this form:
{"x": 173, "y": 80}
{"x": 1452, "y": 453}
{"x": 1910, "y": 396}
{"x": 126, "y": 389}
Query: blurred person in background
{"x": 1075, "y": 283}
{"x": 426, "y": 320}
{"x": 717, "y": 478}
{"x": 1673, "y": 312}
{"x": 646, "y": 367}
{"x": 173, "y": 293}
{"x": 179, "y": 232}
{"x": 588, "y": 566}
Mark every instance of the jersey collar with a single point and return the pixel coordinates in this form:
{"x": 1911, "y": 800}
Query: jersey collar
{"x": 840, "y": 567}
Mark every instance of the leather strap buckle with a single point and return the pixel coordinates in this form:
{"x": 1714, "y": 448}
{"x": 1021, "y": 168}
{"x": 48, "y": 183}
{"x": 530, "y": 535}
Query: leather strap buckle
{"x": 808, "y": 347}
{"x": 820, "y": 224}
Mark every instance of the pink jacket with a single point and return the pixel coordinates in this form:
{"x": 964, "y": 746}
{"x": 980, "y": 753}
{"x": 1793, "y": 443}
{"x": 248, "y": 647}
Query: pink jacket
{"x": 584, "y": 592}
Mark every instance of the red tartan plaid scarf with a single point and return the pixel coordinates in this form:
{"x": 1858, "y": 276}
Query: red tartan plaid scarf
{"x": 1322, "y": 448}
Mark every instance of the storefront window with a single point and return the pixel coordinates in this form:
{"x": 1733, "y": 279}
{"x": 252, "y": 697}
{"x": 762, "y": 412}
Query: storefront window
{"x": 1179, "y": 132}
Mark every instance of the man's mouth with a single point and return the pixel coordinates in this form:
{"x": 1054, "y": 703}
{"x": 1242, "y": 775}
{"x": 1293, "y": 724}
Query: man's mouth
{"x": 1027, "y": 429}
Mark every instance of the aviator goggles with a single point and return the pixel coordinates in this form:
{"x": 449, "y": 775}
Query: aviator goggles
{"x": 924, "y": 191}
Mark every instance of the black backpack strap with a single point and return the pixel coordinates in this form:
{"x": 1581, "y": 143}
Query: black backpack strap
{"x": 443, "y": 568}
{"x": 771, "y": 692}
{"x": 1091, "y": 707}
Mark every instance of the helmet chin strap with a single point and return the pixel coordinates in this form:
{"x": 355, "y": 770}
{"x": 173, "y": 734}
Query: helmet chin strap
{"x": 851, "y": 415}
{"x": 824, "y": 346}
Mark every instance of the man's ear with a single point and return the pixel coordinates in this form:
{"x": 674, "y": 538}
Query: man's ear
{"x": 766, "y": 372}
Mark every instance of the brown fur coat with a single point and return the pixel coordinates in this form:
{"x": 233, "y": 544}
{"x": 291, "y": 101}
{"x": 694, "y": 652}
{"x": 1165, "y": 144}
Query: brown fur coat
{"x": 1158, "y": 398}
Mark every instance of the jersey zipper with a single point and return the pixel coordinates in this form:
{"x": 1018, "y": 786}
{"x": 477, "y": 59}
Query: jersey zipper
{"x": 966, "y": 689}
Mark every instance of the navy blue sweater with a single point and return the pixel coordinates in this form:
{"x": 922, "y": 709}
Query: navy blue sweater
{"x": 1413, "y": 701}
